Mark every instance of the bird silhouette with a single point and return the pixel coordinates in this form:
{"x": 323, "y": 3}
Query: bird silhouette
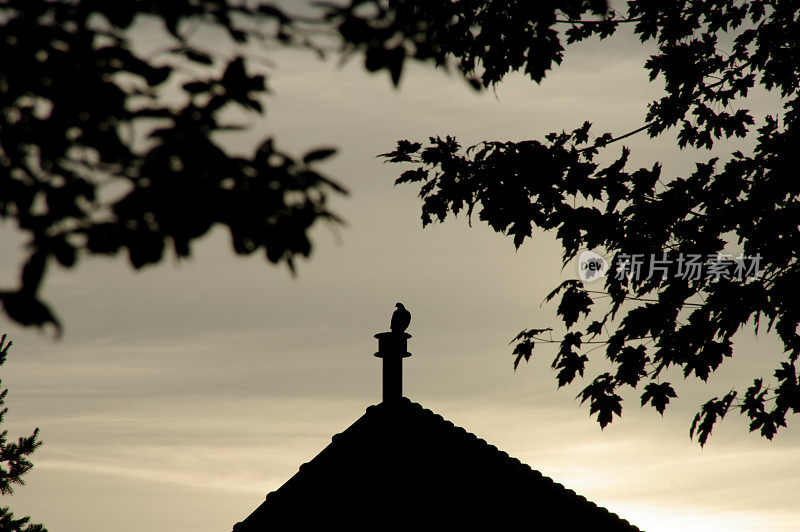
{"x": 400, "y": 319}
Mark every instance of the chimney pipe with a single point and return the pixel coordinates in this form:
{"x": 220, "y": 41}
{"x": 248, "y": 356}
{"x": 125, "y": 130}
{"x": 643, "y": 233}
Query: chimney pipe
{"x": 392, "y": 348}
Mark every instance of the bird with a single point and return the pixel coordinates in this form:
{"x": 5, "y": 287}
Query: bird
{"x": 400, "y": 319}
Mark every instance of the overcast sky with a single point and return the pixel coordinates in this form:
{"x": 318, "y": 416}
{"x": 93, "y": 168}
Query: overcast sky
{"x": 181, "y": 394}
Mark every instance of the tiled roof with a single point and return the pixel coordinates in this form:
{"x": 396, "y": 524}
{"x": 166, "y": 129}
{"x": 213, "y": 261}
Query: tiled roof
{"x": 400, "y": 466}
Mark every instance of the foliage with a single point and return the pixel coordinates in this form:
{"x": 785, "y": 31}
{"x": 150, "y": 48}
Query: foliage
{"x": 14, "y": 462}
{"x": 748, "y": 201}
{"x": 105, "y": 148}
{"x": 108, "y": 148}
{"x": 514, "y": 34}
{"x": 111, "y": 113}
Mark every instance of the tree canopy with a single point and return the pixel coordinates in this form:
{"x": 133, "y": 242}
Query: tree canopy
{"x": 710, "y": 57}
{"x": 107, "y": 148}
{"x": 111, "y": 115}
{"x": 14, "y": 461}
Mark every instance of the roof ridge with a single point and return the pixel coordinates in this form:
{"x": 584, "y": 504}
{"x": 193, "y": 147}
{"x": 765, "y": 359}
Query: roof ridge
{"x": 429, "y": 445}
{"x": 519, "y": 464}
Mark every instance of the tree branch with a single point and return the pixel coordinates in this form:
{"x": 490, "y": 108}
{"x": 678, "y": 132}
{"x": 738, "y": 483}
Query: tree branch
{"x": 615, "y": 139}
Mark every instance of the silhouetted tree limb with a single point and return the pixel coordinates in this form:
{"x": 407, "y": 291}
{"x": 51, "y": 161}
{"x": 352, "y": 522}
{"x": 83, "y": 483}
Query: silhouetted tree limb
{"x": 95, "y": 158}
{"x": 75, "y": 93}
{"x": 556, "y": 184}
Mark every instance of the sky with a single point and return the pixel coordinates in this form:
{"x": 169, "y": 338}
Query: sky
{"x": 181, "y": 394}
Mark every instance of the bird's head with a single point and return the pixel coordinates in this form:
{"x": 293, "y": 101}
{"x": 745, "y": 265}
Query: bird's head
{"x": 399, "y": 305}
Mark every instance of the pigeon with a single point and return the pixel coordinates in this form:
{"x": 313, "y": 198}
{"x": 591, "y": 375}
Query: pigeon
{"x": 400, "y": 319}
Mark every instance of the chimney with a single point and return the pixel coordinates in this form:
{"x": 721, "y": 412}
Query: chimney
{"x": 392, "y": 349}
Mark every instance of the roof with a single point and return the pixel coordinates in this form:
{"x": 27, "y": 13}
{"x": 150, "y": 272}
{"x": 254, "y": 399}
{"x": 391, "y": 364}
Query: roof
{"x": 402, "y": 466}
